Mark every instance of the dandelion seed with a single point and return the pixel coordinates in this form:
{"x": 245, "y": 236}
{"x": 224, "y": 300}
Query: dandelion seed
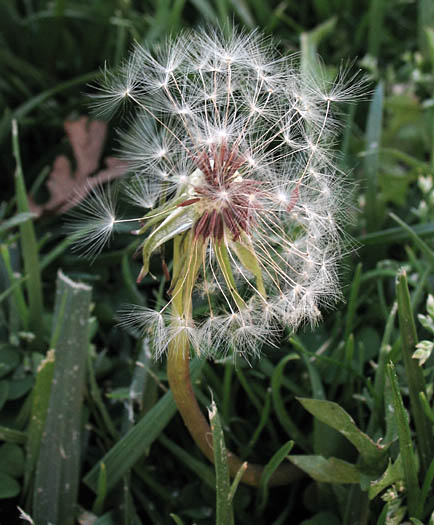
{"x": 231, "y": 147}
{"x": 93, "y": 221}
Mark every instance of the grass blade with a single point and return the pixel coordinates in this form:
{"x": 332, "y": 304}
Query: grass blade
{"x": 57, "y": 471}
{"x": 371, "y": 160}
{"x": 202, "y": 470}
{"x": 375, "y": 25}
{"x": 15, "y": 288}
{"x": 11, "y": 435}
{"x": 415, "y": 378}
{"x": 269, "y": 468}
{"x": 224, "y": 513}
{"x": 29, "y": 247}
{"x": 237, "y": 480}
{"x": 352, "y": 301}
{"x": 309, "y": 41}
{"x": 120, "y": 458}
{"x": 397, "y": 235}
{"x": 424, "y": 248}
{"x": 405, "y": 444}
{"x": 279, "y": 405}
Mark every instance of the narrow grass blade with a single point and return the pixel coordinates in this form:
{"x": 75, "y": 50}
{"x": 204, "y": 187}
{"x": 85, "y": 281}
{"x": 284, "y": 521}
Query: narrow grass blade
{"x": 237, "y": 480}
{"x": 426, "y": 407}
{"x": 37, "y": 100}
{"x": 279, "y": 405}
{"x": 377, "y": 415}
{"x": 16, "y": 220}
{"x": 224, "y": 513}
{"x": 58, "y": 466}
{"x": 405, "y": 444}
{"x": 202, "y": 470}
{"x": 352, "y": 301}
{"x": 29, "y": 247}
{"x": 98, "y": 504}
{"x": 11, "y": 435}
{"x": 425, "y": 14}
{"x": 427, "y": 485}
{"x": 375, "y": 25}
{"x": 269, "y": 468}
{"x": 126, "y": 452}
{"x": 424, "y": 248}
{"x": 371, "y": 160}
{"x": 309, "y": 41}
{"x": 16, "y": 289}
{"x": 17, "y": 284}
{"x": 415, "y": 378}
{"x": 243, "y": 10}
{"x": 206, "y": 9}
{"x": 397, "y": 235}
{"x": 176, "y": 519}
{"x": 264, "y": 417}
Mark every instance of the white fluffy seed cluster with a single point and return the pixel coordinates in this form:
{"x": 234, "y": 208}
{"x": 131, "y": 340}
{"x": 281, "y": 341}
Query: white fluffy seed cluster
{"x": 241, "y": 141}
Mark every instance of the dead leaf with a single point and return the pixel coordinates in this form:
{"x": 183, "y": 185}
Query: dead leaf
{"x": 68, "y": 188}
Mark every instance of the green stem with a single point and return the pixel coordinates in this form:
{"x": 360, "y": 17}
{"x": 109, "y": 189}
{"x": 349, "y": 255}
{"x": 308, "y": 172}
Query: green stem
{"x": 178, "y": 374}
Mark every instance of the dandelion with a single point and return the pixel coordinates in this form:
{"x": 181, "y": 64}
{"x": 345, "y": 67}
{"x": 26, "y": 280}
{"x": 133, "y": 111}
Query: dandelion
{"x": 231, "y": 148}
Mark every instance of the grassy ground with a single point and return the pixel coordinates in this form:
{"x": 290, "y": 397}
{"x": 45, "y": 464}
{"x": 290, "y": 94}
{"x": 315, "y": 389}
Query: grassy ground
{"x": 130, "y": 459}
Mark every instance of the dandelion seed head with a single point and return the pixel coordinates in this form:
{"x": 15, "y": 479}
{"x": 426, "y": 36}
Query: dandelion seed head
{"x": 231, "y": 146}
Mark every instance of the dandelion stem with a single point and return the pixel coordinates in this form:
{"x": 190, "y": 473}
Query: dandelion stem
{"x": 178, "y": 374}
{"x": 180, "y": 384}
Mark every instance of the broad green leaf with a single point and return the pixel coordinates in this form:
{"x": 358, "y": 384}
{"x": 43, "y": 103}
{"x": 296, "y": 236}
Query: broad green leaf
{"x": 331, "y": 470}
{"x": 9, "y": 359}
{"x": 4, "y": 392}
{"x": 392, "y": 474}
{"x": 336, "y": 417}
{"x": 9, "y": 487}
{"x": 19, "y": 387}
{"x": 11, "y": 460}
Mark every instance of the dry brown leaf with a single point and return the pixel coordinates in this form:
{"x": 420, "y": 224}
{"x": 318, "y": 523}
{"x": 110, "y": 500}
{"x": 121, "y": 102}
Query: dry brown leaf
{"x": 68, "y": 188}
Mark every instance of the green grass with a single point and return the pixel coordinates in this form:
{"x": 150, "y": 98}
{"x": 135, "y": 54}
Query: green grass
{"x": 331, "y": 399}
